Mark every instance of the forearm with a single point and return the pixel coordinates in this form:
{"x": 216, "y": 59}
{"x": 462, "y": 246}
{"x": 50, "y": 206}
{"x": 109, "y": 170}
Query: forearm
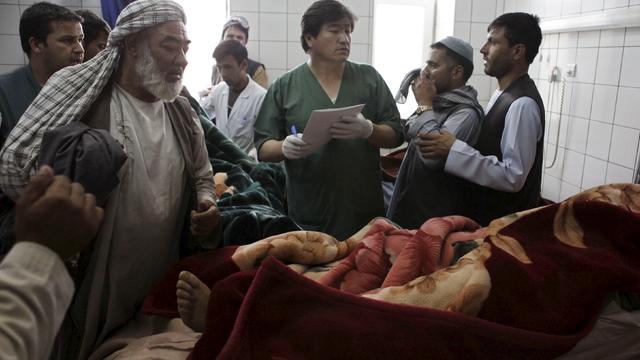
{"x": 468, "y": 163}
{"x": 203, "y": 172}
{"x": 205, "y": 187}
{"x": 271, "y": 151}
{"x": 35, "y": 293}
{"x": 383, "y": 136}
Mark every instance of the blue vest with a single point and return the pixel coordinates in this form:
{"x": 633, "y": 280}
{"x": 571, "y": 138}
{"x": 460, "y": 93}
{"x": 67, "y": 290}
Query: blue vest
{"x": 18, "y": 89}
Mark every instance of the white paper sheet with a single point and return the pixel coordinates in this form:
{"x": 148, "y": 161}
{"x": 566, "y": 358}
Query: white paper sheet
{"x": 316, "y": 133}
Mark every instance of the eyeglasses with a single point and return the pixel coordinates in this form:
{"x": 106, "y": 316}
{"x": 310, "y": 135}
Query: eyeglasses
{"x": 237, "y": 20}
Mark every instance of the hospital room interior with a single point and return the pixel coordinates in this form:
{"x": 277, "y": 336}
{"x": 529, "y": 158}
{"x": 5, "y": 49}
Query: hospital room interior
{"x": 320, "y": 179}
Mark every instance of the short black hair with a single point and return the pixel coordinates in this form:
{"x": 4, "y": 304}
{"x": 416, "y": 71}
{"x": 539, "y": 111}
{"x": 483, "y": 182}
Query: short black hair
{"x": 230, "y": 47}
{"x": 36, "y": 22}
{"x": 320, "y": 13}
{"x": 520, "y": 28}
{"x": 457, "y": 59}
{"x": 92, "y": 25}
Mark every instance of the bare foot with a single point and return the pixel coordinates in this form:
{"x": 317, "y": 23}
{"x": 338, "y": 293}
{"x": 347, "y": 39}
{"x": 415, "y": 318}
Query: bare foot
{"x": 193, "y": 298}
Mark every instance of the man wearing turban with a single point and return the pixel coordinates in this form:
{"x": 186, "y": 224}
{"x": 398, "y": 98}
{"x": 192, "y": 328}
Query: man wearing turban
{"x": 130, "y": 92}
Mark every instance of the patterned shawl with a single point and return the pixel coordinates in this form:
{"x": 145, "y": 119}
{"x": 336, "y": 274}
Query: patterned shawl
{"x": 70, "y": 92}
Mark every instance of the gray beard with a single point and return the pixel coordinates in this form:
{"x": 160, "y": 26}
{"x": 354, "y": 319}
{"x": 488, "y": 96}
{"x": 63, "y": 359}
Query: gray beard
{"x": 152, "y": 79}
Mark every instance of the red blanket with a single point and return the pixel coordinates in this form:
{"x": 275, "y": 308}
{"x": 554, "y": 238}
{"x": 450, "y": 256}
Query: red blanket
{"x": 532, "y": 288}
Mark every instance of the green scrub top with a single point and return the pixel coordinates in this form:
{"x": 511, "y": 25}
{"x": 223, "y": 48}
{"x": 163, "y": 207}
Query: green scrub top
{"x": 336, "y": 189}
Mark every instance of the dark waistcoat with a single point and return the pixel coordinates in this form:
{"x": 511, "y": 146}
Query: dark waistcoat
{"x": 252, "y": 67}
{"x": 489, "y": 204}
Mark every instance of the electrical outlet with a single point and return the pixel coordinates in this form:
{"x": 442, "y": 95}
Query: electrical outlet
{"x": 554, "y": 75}
{"x": 571, "y": 70}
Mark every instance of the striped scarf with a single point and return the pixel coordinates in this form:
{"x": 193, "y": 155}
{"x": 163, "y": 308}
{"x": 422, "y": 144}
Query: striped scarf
{"x": 70, "y": 92}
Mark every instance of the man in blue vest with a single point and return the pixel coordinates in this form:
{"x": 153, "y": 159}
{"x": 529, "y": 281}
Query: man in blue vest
{"x": 237, "y": 28}
{"x": 506, "y": 163}
{"x": 51, "y": 36}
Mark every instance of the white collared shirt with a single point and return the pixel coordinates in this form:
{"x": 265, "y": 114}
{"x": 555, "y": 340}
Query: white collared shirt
{"x": 522, "y": 130}
{"x": 238, "y": 125}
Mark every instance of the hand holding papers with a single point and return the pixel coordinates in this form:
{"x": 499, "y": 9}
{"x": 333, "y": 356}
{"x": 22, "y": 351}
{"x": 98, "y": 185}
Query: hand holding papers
{"x": 352, "y": 127}
{"x": 319, "y": 127}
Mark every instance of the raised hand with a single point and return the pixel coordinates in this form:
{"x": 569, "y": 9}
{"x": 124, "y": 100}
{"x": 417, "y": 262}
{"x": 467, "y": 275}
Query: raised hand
{"x": 57, "y": 213}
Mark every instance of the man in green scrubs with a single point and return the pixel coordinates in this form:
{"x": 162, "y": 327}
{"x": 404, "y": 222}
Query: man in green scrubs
{"x": 335, "y": 189}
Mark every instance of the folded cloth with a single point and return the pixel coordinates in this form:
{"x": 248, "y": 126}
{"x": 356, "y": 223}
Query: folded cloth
{"x": 91, "y": 157}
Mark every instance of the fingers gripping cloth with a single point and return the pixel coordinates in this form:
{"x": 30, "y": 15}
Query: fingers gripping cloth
{"x": 70, "y": 92}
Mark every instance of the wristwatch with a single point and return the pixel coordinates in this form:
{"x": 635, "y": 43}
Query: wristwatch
{"x": 423, "y": 108}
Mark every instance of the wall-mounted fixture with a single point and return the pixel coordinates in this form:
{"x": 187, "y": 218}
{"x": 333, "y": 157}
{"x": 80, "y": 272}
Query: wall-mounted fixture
{"x": 555, "y": 76}
{"x": 607, "y": 19}
{"x": 570, "y": 70}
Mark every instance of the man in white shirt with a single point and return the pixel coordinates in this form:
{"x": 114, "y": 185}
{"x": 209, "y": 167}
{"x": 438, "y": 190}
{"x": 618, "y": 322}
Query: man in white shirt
{"x": 35, "y": 287}
{"x": 235, "y": 102}
{"x": 51, "y": 36}
{"x": 506, "y": 163}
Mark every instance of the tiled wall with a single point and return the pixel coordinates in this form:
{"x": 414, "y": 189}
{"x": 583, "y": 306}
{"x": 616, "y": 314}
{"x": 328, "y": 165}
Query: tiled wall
{"x": 11, "y": 55}
{"x": 599, "y": 124}
{"x": 274, "y": 39}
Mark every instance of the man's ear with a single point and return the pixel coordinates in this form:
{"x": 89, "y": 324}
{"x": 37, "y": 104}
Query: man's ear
{"x": 457, "y": 72}
{"x": 309, "y": 40}
{"x": 519, "y": 51}
{"x": 36, "y": 45}
{"x": 244, "y": 65}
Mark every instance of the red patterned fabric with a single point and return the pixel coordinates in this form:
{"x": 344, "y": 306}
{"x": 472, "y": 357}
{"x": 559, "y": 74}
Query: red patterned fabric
{"x": 536, "y": 282}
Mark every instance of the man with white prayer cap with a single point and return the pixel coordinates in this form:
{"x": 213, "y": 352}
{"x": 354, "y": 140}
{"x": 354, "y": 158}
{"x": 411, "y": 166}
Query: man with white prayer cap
{"x": 129, "y": 90}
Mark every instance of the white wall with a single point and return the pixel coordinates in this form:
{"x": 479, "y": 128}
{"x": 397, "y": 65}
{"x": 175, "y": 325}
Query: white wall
{"x": 11, "y": 55}
{"x": 600, "y": 128}
{"x": 274, "y": 38}
{"x": 445, "y": 19}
